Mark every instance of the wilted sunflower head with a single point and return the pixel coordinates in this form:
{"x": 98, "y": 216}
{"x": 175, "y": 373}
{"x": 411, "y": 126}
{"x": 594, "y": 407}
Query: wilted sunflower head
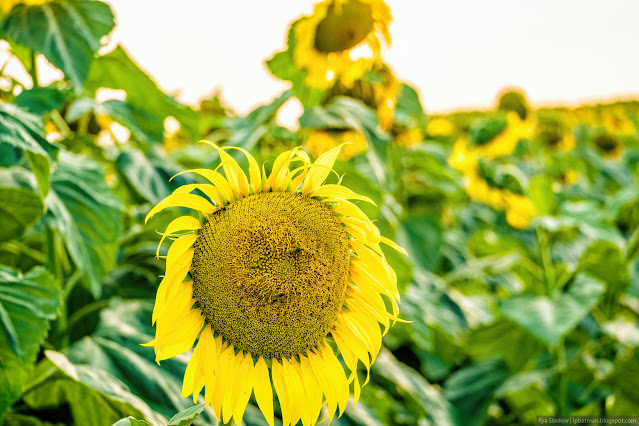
{"x": 341, "y": 40}
{"x": 272, "y": 269}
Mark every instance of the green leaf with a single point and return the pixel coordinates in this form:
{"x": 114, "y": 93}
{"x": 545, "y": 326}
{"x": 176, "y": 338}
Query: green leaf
{"x": 471, "y": 388}
{"x": 27, "y": 304}
{"x": 21, "y": 205}
{"x": 40, "y": 100}
{"x": 148, "y": 104}
{"x": 550, "y": 319}
{"x": 142, "y": 176}
{"x": 67, "y": 32}
{"x": 422, "y": 238}
{"x": 410, "y": 384}
{"x": 188, "y": 416}
{"x": 542, "y": 195}
{"x": 88, "y": 215}
{"x": 94, "y": 396}
{"x": 409, "y": 111}
{"x": 115, "y": 349}
{"x": 348, "y": 113}
{"x": 24, "y": 131}
{"x": 131, "y": 421}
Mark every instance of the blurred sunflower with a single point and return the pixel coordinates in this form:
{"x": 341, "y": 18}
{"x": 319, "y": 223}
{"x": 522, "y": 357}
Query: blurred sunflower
{"x": 378, "y": 89}
{"x": 409, "y": 137}
{"x": 7, "y": 5}
{"x": 341, "y": 40}
{"x": 439, "y": 127}
{"x": 608, "y": 145}
{"x": 505, "y": 142}
{"x": 519, "y": 209}
{"x": 278, "y": 263}
{"x": 321, "y": 141}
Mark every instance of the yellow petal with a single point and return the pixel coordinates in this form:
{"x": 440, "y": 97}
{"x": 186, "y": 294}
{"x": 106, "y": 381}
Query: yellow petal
{"x": 394, "y": 245}
{"x": 293, "y": 384}
{"x": 188, "y": 385}
{"x": 224, "y": 380}
{"x": 280, "y": 390}
{"x": 234, "y": 174}
{"x": 233, "y": 390}
{"x": 336, "y": 371}
{"x": 254, "y": 170}
{"x": 246, "y": 380}
{"x": 339, "y": 192}
{"x": 183, "y": 223}
{"x": 280, "y": 169}
{"x": 263, "y": 391}
{"x": 216, "y": 179}
{"x": 312, "y": 389}
{"x": 317, "y": 175}
{"x": 190, "y": 201}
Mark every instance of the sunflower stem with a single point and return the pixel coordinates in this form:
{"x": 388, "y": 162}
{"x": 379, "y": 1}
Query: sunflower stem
{"x": 33, "y": 72}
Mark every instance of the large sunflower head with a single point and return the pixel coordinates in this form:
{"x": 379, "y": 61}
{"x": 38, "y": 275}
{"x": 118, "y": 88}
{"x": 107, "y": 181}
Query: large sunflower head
{"x": 341, "y": 40}
{"x": 271, "y": 274}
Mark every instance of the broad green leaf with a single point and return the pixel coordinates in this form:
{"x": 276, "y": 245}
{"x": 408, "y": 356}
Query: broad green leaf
{"x": 549, "y": 319}
{"x": 27, "y": 304}
{"x": 503, "y": 339}
{"x": 142, "y": 176}
{"x": 40, "y": 100}
{"x": 21, "y": 205}
{"x": 115, "y": 349}
{"x": 24, "y": 131}
{"x": 471, "y": 389}
{"x": 131, "y": 421}
{"x": 283, "y": 66}
{"x": 148, "y": 104}
{"x": 411, "y": 385}
{"x": 88, "y": 215}
{"x": 94, "y": 396}
{"x": 409, "y": 111}
{"x": 188, "y": 416}
{"x": 422, "y": 239}
{"x": 542, "y": 195}
{"x": 67, "y": 32}
{"x": 247, "y": 131}
{"x": 605, "y": 261}
{"x": 348, "y": 113}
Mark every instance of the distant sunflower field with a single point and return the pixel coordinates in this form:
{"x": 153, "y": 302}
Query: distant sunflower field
{"x": 496, "y": 252}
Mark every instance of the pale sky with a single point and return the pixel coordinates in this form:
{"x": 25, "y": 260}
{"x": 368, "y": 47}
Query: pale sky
{"x": 458, "y": 54}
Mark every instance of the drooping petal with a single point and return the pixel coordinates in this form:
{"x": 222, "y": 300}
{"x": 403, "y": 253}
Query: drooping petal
{"x": 216, "y": 179}
{"x": 263, "y": 390}
{"x": 339, "y": 192}
{"x": 182, "y": 223}
{"x": 190, "y": 201}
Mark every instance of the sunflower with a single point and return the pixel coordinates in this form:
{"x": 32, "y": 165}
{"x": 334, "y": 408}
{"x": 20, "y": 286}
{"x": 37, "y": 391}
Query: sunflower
{"x": 7, "y": 5}
{"x": 274, "y": 266}
{"x": 342, "y": 40}
{"x": 323, "y": 140}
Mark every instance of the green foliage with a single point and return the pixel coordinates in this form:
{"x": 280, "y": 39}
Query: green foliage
{"x": 28, "y": 303}
{"x": 507, "y": 320}
{"x": 67, "y": 32}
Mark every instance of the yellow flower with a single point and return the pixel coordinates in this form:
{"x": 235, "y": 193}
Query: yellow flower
{"x": 570, "y": 177}
{"x": 440, "y": 126}
{"x": 462, "y": 158}
{"x": 410, "y": 137}
{"x": 321, "y": 141}
{"x": 609, "y": 146}
{"x": 7, "y": 5}
{"x": 616, "y": 122}
{"x": 506, "y": 141}
{"x": 276, "y": 264}
{"x": 341, "y": 40}
{"x": 519, "y": 209}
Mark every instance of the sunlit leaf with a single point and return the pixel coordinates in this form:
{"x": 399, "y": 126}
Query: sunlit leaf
{"x": 549, "y": 319}
{"x": 67, "y": 32}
